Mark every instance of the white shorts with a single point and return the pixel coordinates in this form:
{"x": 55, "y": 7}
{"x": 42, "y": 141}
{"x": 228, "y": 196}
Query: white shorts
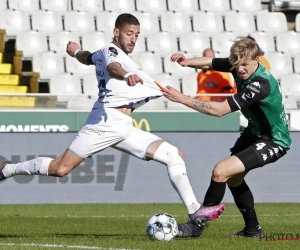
{"x": 111, "y": 128}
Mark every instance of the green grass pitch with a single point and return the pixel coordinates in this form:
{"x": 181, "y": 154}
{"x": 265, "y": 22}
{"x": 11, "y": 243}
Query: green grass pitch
{"x": 122, "y": 226}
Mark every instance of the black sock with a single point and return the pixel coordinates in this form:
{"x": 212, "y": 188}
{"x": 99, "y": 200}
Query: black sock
{"x": 214, "y": 193}
{"x": 244, "y": 200}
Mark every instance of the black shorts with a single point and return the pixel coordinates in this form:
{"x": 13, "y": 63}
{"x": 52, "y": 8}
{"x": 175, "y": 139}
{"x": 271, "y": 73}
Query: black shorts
{"x": 256, "y": 152}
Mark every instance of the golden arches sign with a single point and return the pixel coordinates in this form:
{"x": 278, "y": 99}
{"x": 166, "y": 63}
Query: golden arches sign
{"x": 139, "y": 125}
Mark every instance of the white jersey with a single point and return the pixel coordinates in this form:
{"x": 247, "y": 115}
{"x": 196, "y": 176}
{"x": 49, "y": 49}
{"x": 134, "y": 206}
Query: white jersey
{"x": 116, "y": 93}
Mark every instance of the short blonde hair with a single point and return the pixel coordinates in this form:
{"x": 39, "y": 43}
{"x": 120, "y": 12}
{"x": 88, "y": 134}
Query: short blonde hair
{"x": 242, "y": 50}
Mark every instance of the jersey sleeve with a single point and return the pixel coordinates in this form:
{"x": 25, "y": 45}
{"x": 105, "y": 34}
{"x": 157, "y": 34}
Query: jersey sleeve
{"x": 111, "y": 55}
{"x": 256, "y": 90}
{"x": 91, "y": 59}
{"x": 221, "y": 64}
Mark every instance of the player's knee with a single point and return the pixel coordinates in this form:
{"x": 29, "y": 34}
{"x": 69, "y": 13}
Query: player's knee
{"x": 219, "y": 173}
{"x": 59, "y": 169}
{"x": 181, "y": 154}
{"x": 168, "y": 154}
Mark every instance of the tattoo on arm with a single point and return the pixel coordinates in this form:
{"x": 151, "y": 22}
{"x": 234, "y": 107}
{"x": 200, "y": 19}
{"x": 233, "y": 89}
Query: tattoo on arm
{"x": 201, "y": 105}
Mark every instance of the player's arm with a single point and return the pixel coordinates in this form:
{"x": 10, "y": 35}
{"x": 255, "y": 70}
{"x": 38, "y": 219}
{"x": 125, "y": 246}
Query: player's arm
{"x": 210, "y": 108}
{"x": 206, "y": 63}
{"x": 84, "y": 57}
{"x": 114, "y": 67}
{"x": 258, "y": 89}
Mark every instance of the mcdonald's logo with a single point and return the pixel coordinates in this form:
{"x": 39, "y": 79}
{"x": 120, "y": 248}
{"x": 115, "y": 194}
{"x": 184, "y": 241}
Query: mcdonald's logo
{"x": 139, "y": 125}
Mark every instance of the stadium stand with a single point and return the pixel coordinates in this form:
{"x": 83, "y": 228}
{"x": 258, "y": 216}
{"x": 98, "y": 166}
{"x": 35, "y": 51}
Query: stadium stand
{"x": 188, "y": 6}
{"x": 290, "y": 87}
{"x": 288, "y": 42}
{"x": 162, "y": 43}
{"x": 149, "y": 62}
{"x": 36, "y": 32}
{"x": 90, "y": 85}
{"x": 240, "y": 22}
{"x": 189, "y": 84}
{"x": 47, "y": 21}
{"x": 175, "y": 23}
{"x": 155, "y": 6}
{"x": 167, "y": 79}
{"x": 93, "y": 6}
{"x": 193, "y": 42}
{"x": 208, "y": 22}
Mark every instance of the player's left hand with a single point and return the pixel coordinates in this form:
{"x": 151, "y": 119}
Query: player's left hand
{"x": 172, "y": 94}
{"x": 72, "y": 47}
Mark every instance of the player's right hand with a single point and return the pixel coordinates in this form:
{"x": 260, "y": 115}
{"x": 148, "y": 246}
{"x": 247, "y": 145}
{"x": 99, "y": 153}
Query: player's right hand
{"x": 133, "y": 80}
{"x": 179, "y": 58}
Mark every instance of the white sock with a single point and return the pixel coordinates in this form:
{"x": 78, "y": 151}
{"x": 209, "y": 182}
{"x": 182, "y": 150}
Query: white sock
{"x": 37, "y": 166}
{"x": 181, "y": 183}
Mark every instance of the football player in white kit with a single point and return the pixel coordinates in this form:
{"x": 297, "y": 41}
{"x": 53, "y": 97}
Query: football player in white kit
{"x": 123, "y": 87}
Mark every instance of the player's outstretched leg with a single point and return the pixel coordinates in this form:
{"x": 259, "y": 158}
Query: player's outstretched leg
{"x": 195, "y": 226}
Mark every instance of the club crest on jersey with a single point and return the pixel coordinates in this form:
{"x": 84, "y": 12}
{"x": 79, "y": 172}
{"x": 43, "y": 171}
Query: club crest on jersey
{"x": 112, "y": 52}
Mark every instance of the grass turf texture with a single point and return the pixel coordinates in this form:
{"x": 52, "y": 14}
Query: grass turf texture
{"x": 122, "y": 226}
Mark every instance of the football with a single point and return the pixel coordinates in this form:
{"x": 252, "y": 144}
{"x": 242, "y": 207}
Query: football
{"x": 162, "y": 227}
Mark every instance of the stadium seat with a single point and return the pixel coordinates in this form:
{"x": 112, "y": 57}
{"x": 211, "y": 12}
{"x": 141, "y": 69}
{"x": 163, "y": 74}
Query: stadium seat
{"x": 106, "y": 21}
{"x": 90, "y": 85}
{"x": 222, "y": 42}
{"x": 189, "y": 84}
{"x": 47, "y": 64}
{"x": 278, "y": 5}
{"x": 239, "y": 22}
{"x": 208, "y": 22}
{"x": 175, "y": 22}
{"x": 60, "y": 5}
{"x": 29, "y": 5}
{"x": 58, "y": 41}
{"x": 246, "y": 6}
{"x": 290, "y": 103}
{"x": 149, "y": 62}
{"x": 155, "y": 104}
{"x": 214, "y": 5}
{"x": 297, "y": 63}
{"x": 174, "y": 68}
{"x": 31, "y": 42}
{"x": 65, "y": 84}
{"x": 156, "y": 6}
{"x": 119, "y": 6}
{"x": 183, "y": 6}
{"x": 93, "y": 6}
{"x": 47, "y": 21}
{"x": 77, "y": 68}
{"x": 281, "y": 64}
{"x": 288, "y": 42}
{"x": 271, "y": 22}
{"x": 167, "y": 79}
{"x": 94, "y": 41}
{"x": 297, "y": 22}
{"x": 264, "y": 40}
{"x": 194, "y": 42}
{"x": 290, "y": 86}
{"x": 3, "y": 5}
{"x": 148, "y": 21}
{"x": 81, "y": 103}
{"x": 79, "y": 22}
{"x": 162, "y": 42}
{"x": 14, "y": 21}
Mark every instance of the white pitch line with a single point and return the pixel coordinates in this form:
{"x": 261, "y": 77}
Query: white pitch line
{"x": 62, "y": 246}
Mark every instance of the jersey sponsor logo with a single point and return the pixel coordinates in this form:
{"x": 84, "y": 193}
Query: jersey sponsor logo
{"x": 112, "y": 52}
{"x": 276, "y": 150}
{"x": 256, "y": 84}
{"x": 253, "y": 88}
{"x": 246, "y": 96}
{"x": 100, "y": 73}
{"x": 265, "y": 156}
